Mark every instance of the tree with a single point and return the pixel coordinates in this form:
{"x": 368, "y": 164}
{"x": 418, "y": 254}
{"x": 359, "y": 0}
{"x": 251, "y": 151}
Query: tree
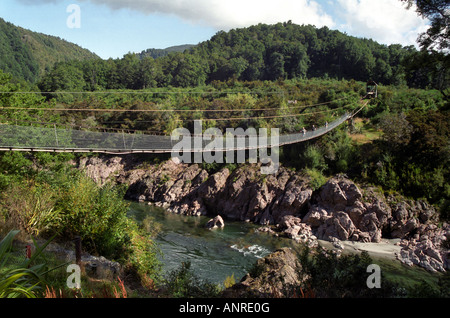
{"x": 428, "y": 70}
{"x": 63, "y": 77}
{"x": 438, "y": 12}
{"x": 186, "y": 70}
{"x": 128, "y": 68}
{"x": 147, "y": 73}
{"x": 275, "y": 67}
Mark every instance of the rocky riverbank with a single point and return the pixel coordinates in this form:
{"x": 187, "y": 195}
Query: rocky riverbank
{"x": 285, "y": 204}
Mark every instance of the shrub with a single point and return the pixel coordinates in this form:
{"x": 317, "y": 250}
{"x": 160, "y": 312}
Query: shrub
{"x": 29, "y": 207}
{"x": 317, "y": 179}
{"x": 22, "y": 279}
{"x": 96, "y": 214}
{"x": 313, "y": 159}
{"x": 183, "y": 283}
{"x": 332, "y": 276}
{"x": 141, "y": 254}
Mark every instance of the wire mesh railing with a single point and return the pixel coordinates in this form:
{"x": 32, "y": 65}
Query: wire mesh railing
{"x": 30, "y": 138}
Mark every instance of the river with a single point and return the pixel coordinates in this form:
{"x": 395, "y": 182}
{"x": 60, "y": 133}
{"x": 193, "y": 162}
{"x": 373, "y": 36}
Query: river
{"x": 214, "y": 254}
{"x": 220, "y": 253}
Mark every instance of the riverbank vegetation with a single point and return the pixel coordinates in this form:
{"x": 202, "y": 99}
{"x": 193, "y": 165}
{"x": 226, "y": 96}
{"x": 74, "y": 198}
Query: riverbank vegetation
{"x": 62, "y": 203}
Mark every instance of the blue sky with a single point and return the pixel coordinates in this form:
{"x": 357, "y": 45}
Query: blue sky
{"x": 112, "y": 28}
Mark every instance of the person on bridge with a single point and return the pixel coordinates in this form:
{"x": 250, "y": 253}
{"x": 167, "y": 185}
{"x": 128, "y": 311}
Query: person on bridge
{"x": 313, "y": 128}
{"x": 304, "y": 131}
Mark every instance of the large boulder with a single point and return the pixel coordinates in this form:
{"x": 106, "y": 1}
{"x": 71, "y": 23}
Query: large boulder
{"x": 271, "y": 276}
{"x": 101, "y": 170}
{"x": 339, "y": 226}
{"x": 216, "y": 222}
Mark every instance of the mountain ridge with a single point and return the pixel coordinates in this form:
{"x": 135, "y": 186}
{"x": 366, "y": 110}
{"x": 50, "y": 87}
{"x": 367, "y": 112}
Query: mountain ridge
{"x": 28, "y": 55}
{"x": 157, "y": 53}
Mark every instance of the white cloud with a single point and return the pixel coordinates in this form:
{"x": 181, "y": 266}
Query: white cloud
{"x": 386, "y": 21}
{"x": 229, "y": 14}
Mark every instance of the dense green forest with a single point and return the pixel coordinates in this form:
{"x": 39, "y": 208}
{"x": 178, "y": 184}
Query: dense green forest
{"x": 29, "y": 55}
{"x": 258, "y": 53}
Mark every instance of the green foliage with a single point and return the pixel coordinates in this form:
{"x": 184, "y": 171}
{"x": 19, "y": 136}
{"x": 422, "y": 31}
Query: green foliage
{"x": 14, "y": 164}
{"x": 13, "y": 49}
{"x": 29, "y": 207}
{"x": 313, "y": 158}
{"x": 140, "y": 253}
{"x": 183, "y": 283}
{"x": 317, "y": 179}
{"x": 96, "y": 214}
{"x": 23, "y": 279}
{"x": 69, "y": 204}
{"x": 330, "y": 276}
{"x": 64, "y": 202}
{"x": 413, "y": 155}
{"x": 156, "y": 53}
{"x": 424, "y": 289}
{"x": 437, "y": 11}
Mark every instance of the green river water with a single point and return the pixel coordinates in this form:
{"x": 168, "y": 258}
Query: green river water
{"x": 217, "y": 254}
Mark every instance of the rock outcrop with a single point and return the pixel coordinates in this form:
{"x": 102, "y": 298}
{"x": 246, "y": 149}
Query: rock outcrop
{"x": 339, "y": 212}
{"x": 426, "y": 249}
{"x": 242, "y": 194}
{"x": 97, "y": 267}
{"x": 271, "y": 276}
{"x": 293, "y": 228}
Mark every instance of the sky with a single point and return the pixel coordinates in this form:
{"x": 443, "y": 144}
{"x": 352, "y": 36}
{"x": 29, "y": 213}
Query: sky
{"x": 112, "y": 28}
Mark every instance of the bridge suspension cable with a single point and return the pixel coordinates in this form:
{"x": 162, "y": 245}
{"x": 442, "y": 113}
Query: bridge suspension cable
{"x": 110, "y": 110}
{"x": 29, "y": 138}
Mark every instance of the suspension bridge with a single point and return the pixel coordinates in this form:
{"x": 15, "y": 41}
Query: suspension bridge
{"x": 57, "y": 140}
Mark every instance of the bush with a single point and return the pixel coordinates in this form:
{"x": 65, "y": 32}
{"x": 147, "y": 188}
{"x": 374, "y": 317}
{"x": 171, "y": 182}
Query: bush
{"x": 332, "y": 276}
{"x": 140, "y": 254}
{"x": 317, "y": 179}
{"x": 313, "y": 159}
{"x": 183, "y": 283}
{"x": 29, "y": 207}
{"x": 97, "y": 215}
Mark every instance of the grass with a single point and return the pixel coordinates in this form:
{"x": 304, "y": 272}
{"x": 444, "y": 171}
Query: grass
{"x": 364, "y": 132}
{"x": 405, "y": 275}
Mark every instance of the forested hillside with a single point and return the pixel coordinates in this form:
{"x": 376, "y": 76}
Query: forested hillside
{"x": 261, "y": 52}
{"x": 28, "y": 55}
